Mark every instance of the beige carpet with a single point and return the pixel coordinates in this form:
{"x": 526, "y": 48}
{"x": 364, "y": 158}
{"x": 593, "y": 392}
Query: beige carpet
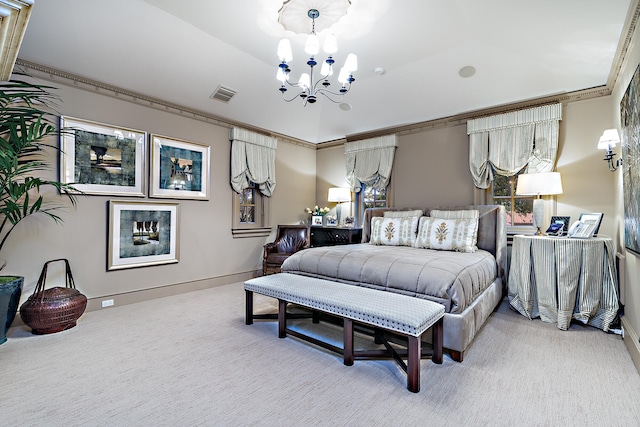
{"x": 189, "y": 360}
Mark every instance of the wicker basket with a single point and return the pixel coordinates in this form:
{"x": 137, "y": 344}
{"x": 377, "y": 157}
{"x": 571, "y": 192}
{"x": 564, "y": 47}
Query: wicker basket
{"x": 55, "y": 309}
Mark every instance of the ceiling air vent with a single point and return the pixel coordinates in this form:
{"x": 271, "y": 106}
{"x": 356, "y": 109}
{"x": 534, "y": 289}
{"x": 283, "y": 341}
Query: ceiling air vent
{"x": 223, "y": 93}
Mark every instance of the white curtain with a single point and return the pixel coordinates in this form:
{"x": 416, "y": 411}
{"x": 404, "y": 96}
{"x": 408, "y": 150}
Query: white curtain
{"x": 369, "y": 161}
{"x": 505, "y": 143}
{"x": 253, "y": 159}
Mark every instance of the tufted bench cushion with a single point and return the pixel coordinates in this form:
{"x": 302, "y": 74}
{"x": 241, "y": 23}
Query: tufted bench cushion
{"x": 402, "y": 314}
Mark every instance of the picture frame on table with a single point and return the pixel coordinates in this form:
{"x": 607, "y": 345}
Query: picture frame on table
{"x": 332, "y": 221}
{"x": 98, "y": 158}
{"x": 316, "y": 220}
{"x": 564, "y": 220}
{"x": 179, "y": 169}
{"x": 592, "y": 221}
{"x": 142, "y": 234}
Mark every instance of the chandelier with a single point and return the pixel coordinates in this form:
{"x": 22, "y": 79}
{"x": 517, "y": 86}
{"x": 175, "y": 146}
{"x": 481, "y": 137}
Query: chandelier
{"x": 311, "y": 86}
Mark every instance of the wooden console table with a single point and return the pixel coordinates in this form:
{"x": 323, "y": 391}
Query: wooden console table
{"x": 560, "y": 279}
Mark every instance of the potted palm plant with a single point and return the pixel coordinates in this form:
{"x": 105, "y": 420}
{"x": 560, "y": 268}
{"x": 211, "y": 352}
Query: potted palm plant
{"x": 27, "y": 120}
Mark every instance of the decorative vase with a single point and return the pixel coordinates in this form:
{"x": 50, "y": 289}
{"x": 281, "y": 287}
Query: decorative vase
{"x": 10, "y": 291}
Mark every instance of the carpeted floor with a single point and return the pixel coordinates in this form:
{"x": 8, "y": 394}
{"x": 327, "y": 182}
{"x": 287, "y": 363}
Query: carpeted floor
{"x": 189, "y": 360}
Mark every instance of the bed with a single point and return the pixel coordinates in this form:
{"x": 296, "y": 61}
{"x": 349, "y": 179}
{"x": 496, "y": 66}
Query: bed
{"x": 404, "y": 251}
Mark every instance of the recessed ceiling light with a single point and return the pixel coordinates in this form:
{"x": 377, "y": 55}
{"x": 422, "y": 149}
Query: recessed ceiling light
{"x": 378, "y": 71}
{"x": 467, "y": 71}
{"x": 345, "y": 107}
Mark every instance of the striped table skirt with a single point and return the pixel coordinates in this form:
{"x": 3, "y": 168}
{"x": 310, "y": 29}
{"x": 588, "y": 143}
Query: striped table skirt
{"x": 560, "y": 279}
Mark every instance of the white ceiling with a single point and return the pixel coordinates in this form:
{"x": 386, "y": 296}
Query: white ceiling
{"x": 181, "y": 50}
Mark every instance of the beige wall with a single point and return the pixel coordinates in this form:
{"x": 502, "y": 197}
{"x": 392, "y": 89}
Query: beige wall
{"x": 207, "y": 249}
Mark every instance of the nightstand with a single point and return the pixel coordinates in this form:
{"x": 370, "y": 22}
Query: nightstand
{"x": 560, "y": 279}
{"x": 331, "y": 236}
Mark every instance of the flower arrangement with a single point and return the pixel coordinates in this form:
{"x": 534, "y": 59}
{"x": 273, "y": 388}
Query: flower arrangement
{"x": 317, "y": 211}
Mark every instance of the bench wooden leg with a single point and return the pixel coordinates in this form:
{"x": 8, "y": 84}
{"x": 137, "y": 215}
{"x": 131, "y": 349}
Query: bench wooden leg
{"x": 348, "y": 342}
{"x": 413, "y": 364}
{"x": 437, "y": 332}
{"x": 282, "y": 318}
{"x": 248, "y": 315}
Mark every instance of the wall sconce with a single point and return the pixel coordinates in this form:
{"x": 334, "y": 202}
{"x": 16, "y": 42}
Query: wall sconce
{"x": 339, "y": 195}
{"x": 537, "y": 184}
{"x": 608, "y": 141}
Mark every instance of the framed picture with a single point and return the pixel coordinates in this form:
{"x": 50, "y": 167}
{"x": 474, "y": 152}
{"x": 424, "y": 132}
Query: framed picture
{"x": 316, "y": 220}
{"x": 179, "y": 169}
{"x": 332, "y": 221}
{"x": 564, "y": 220}
{"x": 592, "y": 221}
{"x": 142, "y": 234}
{"x": 102, "y": 159}
{"x": 630, "y": 137}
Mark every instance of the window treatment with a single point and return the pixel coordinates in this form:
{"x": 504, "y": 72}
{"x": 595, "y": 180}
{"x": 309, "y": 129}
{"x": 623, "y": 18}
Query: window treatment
{"x": 505, "y": 143}
{"x": 253, "y": 159}
{"x": 369, "y": 161}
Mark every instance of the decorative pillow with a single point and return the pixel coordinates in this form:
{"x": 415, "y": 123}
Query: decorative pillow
{"x": 393, "y": 231}
{"x": 447, "y": 234}
{"x": 402, "y": 214}
{"x": 457, "y": 214}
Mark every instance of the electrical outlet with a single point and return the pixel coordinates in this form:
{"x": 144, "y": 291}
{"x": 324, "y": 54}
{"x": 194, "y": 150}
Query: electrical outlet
{"x": 107, "y": 303}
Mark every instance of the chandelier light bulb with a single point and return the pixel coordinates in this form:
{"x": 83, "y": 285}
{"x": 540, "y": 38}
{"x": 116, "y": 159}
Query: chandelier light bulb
{"x": 343, "y": 77}
{"x": 305, "y": 81}
{"x": 351, "y": 64}
{"x": 330, "y": 44}
{"x": 284, "y": 50}
{"x": 312, "y": 47}
{"x": 280, "y": 75}
{"x": 326, "y": 70}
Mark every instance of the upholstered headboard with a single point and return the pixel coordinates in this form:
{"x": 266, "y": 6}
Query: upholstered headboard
{"x": 492, "y": 232}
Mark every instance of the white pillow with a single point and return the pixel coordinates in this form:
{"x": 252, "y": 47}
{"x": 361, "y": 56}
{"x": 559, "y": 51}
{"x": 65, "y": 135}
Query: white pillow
{"x": 393, "y": 231}
{"x": 402, "y": 214}
{"x": 456, "y": 214}
{"x": 447, "y": 234}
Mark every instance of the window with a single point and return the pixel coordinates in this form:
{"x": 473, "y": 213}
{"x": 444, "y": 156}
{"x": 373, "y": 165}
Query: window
{"x": 369, "y": 197}
{"x": 250, "y": 213}
{"x": 519, "y": 208}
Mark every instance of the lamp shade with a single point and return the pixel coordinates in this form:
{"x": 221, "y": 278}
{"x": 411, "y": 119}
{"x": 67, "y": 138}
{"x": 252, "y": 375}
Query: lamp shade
{"x": 609, "y": 139}
{"x": 536, "y": 184}
{"x": 338, "y": 194}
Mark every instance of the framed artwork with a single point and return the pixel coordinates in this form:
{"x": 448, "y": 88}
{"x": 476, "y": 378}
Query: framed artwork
{"x": 142, "y": 234}
{"x": 332, "y": 221}
{"x": 316, "y": 220}
{"x": 592, "y": 221}
{"x": 565, "y": 220}
{"x": 179, "y": 169}
{"x": 102, "y": 159}
{"x": 630, "y": 138}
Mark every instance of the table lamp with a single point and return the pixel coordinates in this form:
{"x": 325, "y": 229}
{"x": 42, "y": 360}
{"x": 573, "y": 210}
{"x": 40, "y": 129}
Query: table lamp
{"x": 339, "y": 195}
{"x": 539, "y": 184}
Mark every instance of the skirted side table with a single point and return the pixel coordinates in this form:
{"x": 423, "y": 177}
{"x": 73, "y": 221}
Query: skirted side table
{"x": 560, "y": 279}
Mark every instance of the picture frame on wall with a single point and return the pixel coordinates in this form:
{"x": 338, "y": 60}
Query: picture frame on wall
{"x": 142, "y": 234}
{"x": 98, "y": 158}
{"x": 179, "y": 169}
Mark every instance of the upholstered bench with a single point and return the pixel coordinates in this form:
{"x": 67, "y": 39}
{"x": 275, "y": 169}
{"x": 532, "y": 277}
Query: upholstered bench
{"x": 400, "y": 314}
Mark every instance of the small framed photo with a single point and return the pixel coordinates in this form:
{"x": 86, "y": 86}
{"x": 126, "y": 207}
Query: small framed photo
{"x": 349, "y": 221}
{"x": 592, "y": 221}
{"x": 179, "y": 169}
{"x": 102, "y": 159}
{"x": 564, "y": 220}
{"x": 332, "y": 221}
{"x": 316, "y": 220}
{"x": 142, "y": 234}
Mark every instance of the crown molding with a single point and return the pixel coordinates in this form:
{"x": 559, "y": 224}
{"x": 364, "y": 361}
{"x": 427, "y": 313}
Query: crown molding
{"x": 69, "y": 79}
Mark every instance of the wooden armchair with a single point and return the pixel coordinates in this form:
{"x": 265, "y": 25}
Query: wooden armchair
{"x": 289, "y": 240}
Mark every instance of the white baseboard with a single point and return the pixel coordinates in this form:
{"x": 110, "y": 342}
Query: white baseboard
{"x": 631, "y": 341}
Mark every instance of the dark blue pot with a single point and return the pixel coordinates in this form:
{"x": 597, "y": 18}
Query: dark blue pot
{"x": 10, "y": 291}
